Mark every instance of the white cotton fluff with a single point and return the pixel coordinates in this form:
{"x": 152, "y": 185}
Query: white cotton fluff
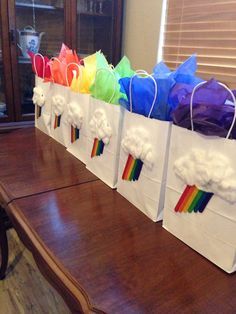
{"x": 100, "y": 127}
{"x": 209, "y": 171}
{"x": 38, "y": 97}
{"x": 136, "y": 144}
{"x": 59, "y": 103}
{"x": 75, "y": 115}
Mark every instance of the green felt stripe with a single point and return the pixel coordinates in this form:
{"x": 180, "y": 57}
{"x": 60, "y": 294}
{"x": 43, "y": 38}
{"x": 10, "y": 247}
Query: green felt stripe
{"x": 133, "y": 170}
{"x": 195, "y": 201}
{"x": 98, "y": 148}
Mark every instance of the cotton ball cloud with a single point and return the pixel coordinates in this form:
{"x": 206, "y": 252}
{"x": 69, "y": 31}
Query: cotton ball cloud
{"x": 136, "y": 143}
{"x": 75, "y": 115}
{"x": 100, "y": 127}
{"x": 59, "y": 103}
{"x": 38, "y": 97}
{"x": 209, "y": 171}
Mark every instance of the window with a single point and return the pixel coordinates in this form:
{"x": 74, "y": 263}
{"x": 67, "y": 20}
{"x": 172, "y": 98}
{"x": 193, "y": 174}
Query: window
{"x": 207, "y": 27}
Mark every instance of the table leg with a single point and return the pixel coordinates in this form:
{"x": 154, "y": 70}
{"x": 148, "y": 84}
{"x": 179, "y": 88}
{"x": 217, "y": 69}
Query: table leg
{"x": 3, "y": 247}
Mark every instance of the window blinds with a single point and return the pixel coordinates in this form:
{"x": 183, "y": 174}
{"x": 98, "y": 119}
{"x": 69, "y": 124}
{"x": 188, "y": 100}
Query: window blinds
{"x": 207, "y": 27}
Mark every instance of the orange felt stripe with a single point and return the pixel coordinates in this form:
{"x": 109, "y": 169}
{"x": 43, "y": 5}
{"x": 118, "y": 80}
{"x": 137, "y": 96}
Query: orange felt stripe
{"x": 190, "y": 199}
{"x": 132, "y": 164}
{"x": 187, "y": 195}
{"x": 127, "y": 166}
{"x": 55, "y": 122}
{"x": 95, "y": 145}
{"x": 74, "y": 135}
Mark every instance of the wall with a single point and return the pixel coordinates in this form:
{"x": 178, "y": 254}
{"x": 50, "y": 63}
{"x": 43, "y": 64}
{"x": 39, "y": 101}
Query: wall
{"x": 141, "y": 28}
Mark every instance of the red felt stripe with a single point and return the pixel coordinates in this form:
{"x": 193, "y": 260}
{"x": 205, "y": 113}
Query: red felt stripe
{"x": 181, "y": 202}
{"x": 126, "y": 170}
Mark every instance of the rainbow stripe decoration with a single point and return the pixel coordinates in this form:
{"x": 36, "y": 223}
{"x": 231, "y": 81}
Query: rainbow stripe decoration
{"x": 57, "y": 121}
{"x": 38, "y": 111}
{"x": 98, "y": 147}
{"x": 74, "y": 134}
{"x": 193, "y": 200}
{"x": 132, "y": 169}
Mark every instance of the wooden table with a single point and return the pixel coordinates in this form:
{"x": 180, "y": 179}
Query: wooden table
{"x": 98, "y": 249}
{"x": 103, "y": 255}
{"x": 32, "y": 162}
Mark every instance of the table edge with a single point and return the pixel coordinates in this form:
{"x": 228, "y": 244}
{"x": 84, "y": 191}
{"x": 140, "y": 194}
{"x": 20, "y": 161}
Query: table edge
{"x": 71, "y": 291}
{"x": 5, "y": 198}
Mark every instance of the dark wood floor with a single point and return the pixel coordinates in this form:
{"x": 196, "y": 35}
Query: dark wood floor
{"x": 25, "y": 291}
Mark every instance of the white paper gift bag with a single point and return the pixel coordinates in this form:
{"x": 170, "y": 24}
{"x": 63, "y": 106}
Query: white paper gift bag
{"x": 200, "y": 203}
{"x": 76, "y": 126}
{"x": 42, "y": 100}
{"x": 103, "y": 143}
{"x": 142, "y": 162}
{"x": 58, "y": 122}
{"x": 59, "y": 100}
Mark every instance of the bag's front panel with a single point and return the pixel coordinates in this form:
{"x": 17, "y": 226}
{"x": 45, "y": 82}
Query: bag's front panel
{"x": 212, "y": 159}
{"x": 38, "y": 80}
{"x": 65, "y": 127}
{"x": 209, "y": 221}
{"x": 145, "y": 191}
{"x": 219, "y": 252}
{"x": 102, "y": 158}
{"x": 59, "y": 101}
{"x": 78, "y": 135}
{"x": 42, "y": 109}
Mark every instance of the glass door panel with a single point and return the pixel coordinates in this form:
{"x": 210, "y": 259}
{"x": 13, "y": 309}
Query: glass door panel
{"x": 3, "y": 105}
{"x": 40, "y": 28}
{"x": 95, "y": 27}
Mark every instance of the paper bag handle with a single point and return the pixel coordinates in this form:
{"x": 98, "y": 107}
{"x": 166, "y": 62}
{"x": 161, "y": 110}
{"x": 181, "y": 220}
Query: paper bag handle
{"x": 52, "y": 59}
{"x": 113, "y": 75}
{"x": 67, "y": 67}
{"x": 44, "y": 64}
{"x": 234, "y": 101}
{"x": 130, "y": 89}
